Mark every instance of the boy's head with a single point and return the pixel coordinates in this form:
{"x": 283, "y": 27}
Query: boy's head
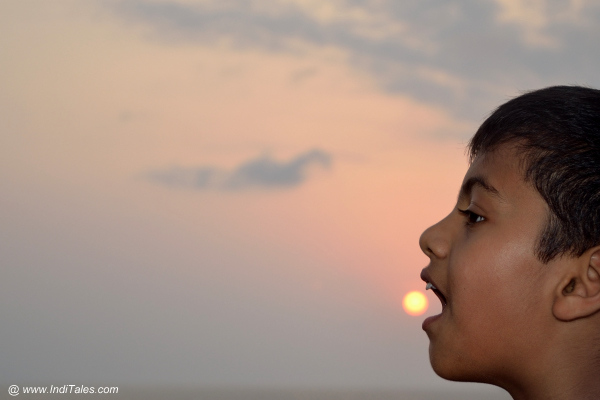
{"x": 516, "y": 263}
{"x": 557, "y": 133}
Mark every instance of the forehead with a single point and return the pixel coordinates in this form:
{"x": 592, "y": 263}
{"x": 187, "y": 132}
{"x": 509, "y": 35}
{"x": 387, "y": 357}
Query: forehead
{"x": 499, "y": 174}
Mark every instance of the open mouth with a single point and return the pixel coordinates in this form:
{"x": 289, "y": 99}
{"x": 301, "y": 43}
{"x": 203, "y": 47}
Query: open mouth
{"x": 437, "y": 292}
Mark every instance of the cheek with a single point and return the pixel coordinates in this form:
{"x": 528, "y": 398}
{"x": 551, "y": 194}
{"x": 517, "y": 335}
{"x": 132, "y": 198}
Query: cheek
{"x": 493, "y": 280}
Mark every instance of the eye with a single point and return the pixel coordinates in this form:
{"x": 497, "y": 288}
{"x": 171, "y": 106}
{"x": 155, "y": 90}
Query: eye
{"x": 471, "y": 217}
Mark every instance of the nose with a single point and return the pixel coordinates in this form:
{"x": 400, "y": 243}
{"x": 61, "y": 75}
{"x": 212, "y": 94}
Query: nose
{"x": 435, "y": 241}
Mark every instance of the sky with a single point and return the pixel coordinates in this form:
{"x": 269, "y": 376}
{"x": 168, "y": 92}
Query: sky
{"x": 231, "y": 192}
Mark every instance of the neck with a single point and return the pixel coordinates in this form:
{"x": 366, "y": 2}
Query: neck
{"x": 568, "y": 371}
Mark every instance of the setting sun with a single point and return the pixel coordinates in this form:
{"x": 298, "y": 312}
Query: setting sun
{"x": 415, "y": 303}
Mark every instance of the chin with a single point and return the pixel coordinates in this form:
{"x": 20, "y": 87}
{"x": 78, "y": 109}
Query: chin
{"x": 444, "y": 370}
{"x": 450, "y": 366}
{"x": 458, "y": 375}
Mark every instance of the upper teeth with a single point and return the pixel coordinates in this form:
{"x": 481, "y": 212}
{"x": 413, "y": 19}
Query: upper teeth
{"x": 429, "y": 286}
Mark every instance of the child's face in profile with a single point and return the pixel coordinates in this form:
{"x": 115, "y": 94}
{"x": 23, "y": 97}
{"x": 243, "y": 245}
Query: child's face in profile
{"x": 483, "y": 263}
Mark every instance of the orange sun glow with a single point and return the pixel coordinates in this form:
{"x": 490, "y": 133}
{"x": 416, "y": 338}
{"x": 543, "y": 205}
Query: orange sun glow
{"x": 415, "y": 303}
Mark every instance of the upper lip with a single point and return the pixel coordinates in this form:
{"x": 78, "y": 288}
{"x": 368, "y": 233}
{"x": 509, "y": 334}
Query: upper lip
{"x": 436, "y": 289}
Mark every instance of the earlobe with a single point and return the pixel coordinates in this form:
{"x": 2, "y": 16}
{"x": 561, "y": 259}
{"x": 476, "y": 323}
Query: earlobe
{"x": 578, "y": 294}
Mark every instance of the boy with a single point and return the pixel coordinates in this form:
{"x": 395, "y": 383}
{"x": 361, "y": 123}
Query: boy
{"x": 516, "y": 264}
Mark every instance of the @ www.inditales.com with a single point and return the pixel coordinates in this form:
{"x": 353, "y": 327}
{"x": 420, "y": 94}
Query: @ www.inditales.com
{"x": 15, "y": 390}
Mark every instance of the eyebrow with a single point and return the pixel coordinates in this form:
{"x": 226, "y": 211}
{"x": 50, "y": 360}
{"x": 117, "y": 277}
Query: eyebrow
{"x": 479, "y": 181}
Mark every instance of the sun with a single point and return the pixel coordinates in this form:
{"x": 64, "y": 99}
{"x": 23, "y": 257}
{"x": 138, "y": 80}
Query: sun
{"x": 415, "y": 303}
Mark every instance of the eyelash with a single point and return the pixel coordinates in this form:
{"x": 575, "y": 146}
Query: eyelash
{"x": 471, "y": 217}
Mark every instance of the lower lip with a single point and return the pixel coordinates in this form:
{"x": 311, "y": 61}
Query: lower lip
{"x": 430, "y": 320}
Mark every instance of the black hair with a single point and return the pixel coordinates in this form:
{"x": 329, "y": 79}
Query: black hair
{"x": 557, "y": 132}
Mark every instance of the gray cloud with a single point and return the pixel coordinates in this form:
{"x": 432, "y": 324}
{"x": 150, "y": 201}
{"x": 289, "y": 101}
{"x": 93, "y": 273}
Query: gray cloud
{"x": 462, "y": 55}
{"x": 262, "y": 172}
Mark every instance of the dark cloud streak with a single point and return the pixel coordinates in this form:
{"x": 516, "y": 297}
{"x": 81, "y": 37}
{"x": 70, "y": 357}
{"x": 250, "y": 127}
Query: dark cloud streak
{"x": 259, "y": 173}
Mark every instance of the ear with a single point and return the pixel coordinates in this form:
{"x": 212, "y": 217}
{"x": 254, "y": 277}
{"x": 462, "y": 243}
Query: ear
{"x": 578, "y": 294}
